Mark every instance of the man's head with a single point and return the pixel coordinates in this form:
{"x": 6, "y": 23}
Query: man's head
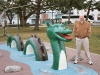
{"x": 81, "y": 17}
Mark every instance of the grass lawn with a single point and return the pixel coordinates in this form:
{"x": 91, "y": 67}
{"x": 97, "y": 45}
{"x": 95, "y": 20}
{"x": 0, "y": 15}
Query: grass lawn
{"x": 25, "y": 33}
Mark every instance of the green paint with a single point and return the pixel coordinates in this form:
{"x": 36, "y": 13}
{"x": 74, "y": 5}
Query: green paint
{"x": 36, "y": 45}
{"x": 30, "y": 41}
{"x": 9, "y": 40}
{"x": 58, "y": 34}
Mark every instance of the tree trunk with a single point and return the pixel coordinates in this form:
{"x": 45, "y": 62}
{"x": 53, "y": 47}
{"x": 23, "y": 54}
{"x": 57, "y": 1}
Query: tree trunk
{"x": 37, "y": 16}
{"x": 23, "y": 21}
{"x": 10, "y": 16}
{"x": 37, "y": 22}
{"x": 88, "y": 10}
{"x": 23, "y": 18}
{"x": 69, "y": 16}
{"x": 10, "y": 21}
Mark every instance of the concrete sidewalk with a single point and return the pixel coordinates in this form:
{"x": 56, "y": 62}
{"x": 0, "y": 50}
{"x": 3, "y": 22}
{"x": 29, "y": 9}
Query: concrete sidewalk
{"x": 71, "y": 52}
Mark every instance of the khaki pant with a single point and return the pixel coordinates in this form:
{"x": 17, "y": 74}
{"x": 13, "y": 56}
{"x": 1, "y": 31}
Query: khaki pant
{"x": 85, "y": 43}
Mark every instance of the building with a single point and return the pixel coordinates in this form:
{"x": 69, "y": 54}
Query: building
{"x": 56, "y": 16}
{"x": 95, "y": 13}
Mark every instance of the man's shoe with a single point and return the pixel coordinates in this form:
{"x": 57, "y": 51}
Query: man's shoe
{"x": 75, "y": 62}
{"x": 90, "y": 62}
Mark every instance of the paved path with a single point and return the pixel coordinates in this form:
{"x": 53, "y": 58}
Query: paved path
{"x": 71, "y": 53}
{"x": 26, "y": 69}
{"x": 5, "y": 60}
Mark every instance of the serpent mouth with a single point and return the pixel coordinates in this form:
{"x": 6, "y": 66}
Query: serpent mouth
{"x": 66, "y": 36}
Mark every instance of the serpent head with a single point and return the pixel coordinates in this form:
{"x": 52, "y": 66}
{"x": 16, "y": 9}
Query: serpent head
{"x": 58, "y": 31}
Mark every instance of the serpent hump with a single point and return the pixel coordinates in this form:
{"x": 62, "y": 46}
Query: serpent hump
{"x": 34, "y": 45}
{"x": 17, "y": 42}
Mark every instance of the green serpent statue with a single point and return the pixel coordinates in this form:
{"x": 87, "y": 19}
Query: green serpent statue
{"x": 58, "y": 34}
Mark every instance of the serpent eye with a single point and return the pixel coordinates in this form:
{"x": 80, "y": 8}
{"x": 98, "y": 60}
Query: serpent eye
{"x": 56, "y": 26}
{"x": 62, "y": 26}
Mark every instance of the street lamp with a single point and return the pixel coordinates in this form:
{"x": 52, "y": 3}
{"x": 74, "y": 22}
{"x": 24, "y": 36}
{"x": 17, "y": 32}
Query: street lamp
{"x": 18, "y": 22}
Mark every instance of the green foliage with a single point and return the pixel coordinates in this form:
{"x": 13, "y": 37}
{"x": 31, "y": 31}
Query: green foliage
{"x": 25, "y": 8}
{"x": 97, "y": 5}
{"x": 1, "y": 5}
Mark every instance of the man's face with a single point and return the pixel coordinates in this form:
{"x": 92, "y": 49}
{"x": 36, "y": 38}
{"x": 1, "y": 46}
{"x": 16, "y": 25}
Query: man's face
{"x": 81, "y": 18}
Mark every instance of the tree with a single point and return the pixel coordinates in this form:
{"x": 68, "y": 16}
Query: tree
{"x": 41, "y": 5}
{"x": 38, "y": 7}
{"x": 24, "y": 13}
{"x": 10, "y": 15}
{"x": 20, "y": 7}
{"x": 89, "y": 6}
{"x": 4, "y": 6}
{"x": 2, "y": 3}
{"x": 65, "y": 6}
{"x": 97, "y": 5}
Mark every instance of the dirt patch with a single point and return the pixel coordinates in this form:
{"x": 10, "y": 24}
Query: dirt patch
{"x": 6, "y": 61}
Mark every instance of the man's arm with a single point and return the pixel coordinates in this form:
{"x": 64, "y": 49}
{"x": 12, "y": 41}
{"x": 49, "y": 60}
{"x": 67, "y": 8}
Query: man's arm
{"x": 89, "y": 30}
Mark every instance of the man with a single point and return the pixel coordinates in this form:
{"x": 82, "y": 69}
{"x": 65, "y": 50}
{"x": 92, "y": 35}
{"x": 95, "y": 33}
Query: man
{"x": 82, "y": 31}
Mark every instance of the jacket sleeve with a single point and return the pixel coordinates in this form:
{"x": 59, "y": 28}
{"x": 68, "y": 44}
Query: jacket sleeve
{"x": 89, "y": 31}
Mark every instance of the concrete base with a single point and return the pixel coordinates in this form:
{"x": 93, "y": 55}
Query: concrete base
{"x": 44, "y": 67}
{"x": 73, "y": 69}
